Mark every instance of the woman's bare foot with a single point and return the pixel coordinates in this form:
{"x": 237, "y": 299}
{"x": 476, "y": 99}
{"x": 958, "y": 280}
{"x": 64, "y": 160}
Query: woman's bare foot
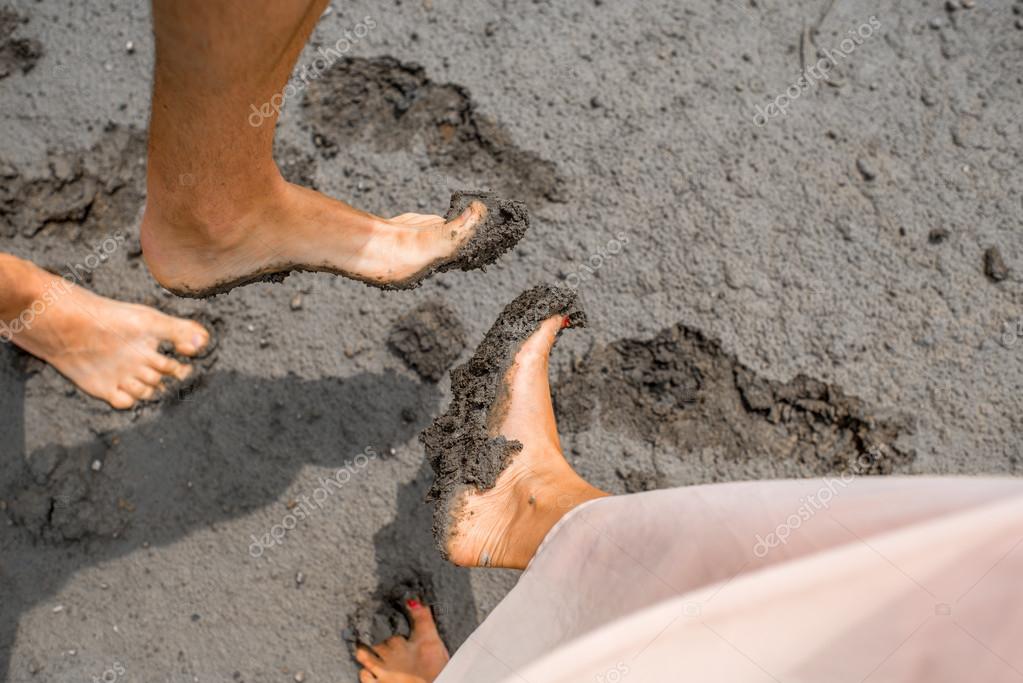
{"x": 193, "y": 251}
{"x": 109, "y": 349}
{"x": 503, "y": 525}
{"x": 417, "y": 659}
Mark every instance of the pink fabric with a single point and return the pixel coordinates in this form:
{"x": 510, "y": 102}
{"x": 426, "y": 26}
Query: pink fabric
{"x": 858, "y": 579}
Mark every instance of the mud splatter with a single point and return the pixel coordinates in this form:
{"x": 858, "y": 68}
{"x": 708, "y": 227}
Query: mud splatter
{"x": 395, "y": 106}
{"x": 16, "y": 54}
{"x": 429, "y": 338}
{"x": 682, "y": 393}
{"x": 84, "y": 194}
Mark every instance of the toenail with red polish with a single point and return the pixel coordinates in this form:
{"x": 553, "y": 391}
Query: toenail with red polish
{"x": 412, "y": 604}
{"x": 565, "y": 323}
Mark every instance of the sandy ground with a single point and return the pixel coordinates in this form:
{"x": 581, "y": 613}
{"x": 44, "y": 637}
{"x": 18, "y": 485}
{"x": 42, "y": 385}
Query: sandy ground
{"x": 797, "y": 298}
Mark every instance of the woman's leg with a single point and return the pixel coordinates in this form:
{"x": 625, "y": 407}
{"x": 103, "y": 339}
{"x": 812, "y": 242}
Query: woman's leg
{"x": 501, "y": 526}
{"x": 218, "y": 211}
{"x": 109, "y": 349}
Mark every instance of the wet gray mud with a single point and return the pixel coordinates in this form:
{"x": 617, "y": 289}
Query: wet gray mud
{"x": 394, "y": 105}
{"x": 683, "y": 395}
{"x": 16, "y": 53}
{"x": 459, "y": 445}
{"x": 429, "y": 338}
{"x": 84, "y": 194}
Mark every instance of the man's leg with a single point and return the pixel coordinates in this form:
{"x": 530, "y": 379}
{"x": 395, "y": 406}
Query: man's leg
{"x": 218, "y": 210}
{"x": 107, "y": 348}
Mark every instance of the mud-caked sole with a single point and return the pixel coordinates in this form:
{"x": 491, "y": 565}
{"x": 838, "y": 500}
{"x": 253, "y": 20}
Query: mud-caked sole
{"x": 461, "y": 450}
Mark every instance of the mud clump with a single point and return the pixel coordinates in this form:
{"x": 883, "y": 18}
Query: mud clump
{"x": 88, "y": 194}
{"x": 16, "y": 54}
{"x": 458, "y": 444}
{"x": 429, "y": 338}
{"x": 394, "y": 106}
{"x": 683, "y": 394}
{"x": 384, "y": 614}
{"x": 64, "y": 495}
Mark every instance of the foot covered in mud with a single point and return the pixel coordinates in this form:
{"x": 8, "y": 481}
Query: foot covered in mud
{"x": 416, "y": 659}
{"x": 501, "y": 479}
{"x": 293, "y": 228}
{"x": 110, "y": 350}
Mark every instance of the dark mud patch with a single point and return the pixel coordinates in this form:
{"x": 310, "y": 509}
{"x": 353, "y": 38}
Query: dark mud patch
{"x": 296, "y": 166}
{"x": 65, "y": 496}
{"x": 84, "y": 195}
{"x": 429, "y": 338}
{"x": 394, "y": 106}
{"x": 681, "y": 393}
{"x": 458, "y": 444}
{"x": 16, "y": 54}
{"x": 383, "y": 614}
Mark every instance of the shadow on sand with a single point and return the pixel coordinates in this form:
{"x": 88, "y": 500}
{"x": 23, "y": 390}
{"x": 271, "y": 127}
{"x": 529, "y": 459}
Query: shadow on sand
{"x": 241, "y": 441}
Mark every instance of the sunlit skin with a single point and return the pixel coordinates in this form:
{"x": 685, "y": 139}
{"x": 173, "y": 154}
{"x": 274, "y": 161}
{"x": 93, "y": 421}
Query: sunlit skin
{"x": 502, "y": 526}
{"x": 218, "y": 210}
{"x": 108, "y": 349}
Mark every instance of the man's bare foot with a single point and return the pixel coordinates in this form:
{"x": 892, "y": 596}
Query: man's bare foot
{"x": 197, "y": 250}
{"x": 109, "y": 349}
{"x": 503, "y": 524}
{"x": 417, "y": 659}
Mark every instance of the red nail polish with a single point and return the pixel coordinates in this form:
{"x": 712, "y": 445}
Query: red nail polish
{"x": 412, "y": 603}
{"x": 565, "y": 323}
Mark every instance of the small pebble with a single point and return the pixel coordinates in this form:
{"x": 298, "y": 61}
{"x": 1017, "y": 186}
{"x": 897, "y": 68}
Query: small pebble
{"x": 994, "y": 265}
{"x": 129, "y": 47}
{"x": 300, "y": 677}
{"x": 96, "y": 465}
{"x": 937, "y": 236}
{"x": 866, "y": 169}
{"x": 299, "y": 579}
{"x": 296, "y": 302}
{"x": 58, "y": 608}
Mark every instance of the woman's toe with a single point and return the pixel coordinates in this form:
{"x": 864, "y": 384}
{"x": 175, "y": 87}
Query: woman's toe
{"x": 149, "y": 375}
{"x": 169, "y": 367}
{"x": 367, "y": 658}
{"x": 366, "y": 677}
{"x": 136, "y": 388}
{"x": 188, "y": 337}
{"x": 120, "y": 399}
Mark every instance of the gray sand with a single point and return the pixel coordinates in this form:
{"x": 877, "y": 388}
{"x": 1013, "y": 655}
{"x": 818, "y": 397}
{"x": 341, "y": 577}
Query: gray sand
{"x": 843, "y": 241}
